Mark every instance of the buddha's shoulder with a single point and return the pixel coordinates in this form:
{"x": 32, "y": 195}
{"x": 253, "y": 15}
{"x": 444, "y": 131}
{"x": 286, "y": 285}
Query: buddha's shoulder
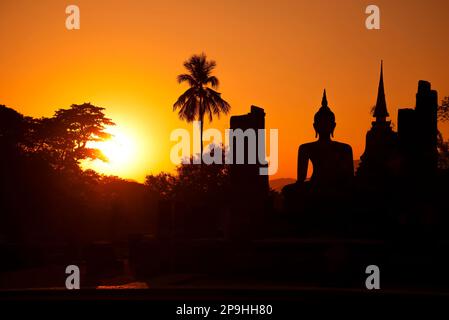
{"x": 306, "y": 146}
{"x": 342, "y": 146}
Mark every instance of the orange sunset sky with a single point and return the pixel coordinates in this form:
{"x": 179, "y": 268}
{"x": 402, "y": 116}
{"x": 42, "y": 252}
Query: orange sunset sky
{"x": 278, "y": 55}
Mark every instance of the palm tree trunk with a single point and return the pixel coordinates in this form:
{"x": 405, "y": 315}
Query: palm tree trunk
{"x": 201, "y": 116}
{"x": 201, "y": 137}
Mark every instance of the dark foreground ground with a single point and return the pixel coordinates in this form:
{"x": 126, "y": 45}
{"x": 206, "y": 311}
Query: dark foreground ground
{"x": 287, "y": 303}
{"x": 293, "y": 276}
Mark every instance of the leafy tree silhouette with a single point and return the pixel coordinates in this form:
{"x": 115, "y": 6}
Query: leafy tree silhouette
{"x": 200, "y": 99}
{"x": 63, "y": 139}
{"x": 443, "y": 146}
{"x": 443, "y": 110}
{"x": 12, "y": 129}
{"x": 162, "y": 185}
{"x": 192, "y": 183}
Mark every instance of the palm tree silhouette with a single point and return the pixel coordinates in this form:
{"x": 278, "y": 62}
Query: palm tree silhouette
{"x": 200, "y": 99}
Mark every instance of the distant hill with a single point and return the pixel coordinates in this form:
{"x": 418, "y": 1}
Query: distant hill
{"x": 278, "y": 184}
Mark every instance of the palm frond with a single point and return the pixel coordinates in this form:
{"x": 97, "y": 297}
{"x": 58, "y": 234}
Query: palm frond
{"x": 183, "y": 98}
{"x": 221, "y": 104}
{"x": 213, "y": 81}
{"x": 189, "y": 109}
{"x": 209, "y": 65}
{"x": 187, "y": 78}
{"x": 192, "y": 107}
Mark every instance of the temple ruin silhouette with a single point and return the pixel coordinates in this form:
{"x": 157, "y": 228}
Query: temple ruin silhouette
{"x": 246, "y": 177}
{"x": 412, "y": 150}
{"x": 381, "y": 145}
{"x": 249, "y": 189}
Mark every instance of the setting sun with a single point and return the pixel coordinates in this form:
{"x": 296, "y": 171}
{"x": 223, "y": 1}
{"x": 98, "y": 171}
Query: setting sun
{"x": 120, "y": 151}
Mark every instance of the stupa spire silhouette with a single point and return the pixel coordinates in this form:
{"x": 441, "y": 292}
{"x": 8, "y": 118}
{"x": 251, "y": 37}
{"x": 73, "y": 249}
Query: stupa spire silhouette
{"x": 380, "y": 110}
{"x": 381, "y": 140}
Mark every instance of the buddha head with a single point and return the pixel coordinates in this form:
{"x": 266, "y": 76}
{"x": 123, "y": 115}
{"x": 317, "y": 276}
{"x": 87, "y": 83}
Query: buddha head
{"x": 324, "y": 120}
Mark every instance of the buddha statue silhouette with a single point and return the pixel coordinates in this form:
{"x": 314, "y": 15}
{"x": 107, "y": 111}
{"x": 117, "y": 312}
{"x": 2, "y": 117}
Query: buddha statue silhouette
{"x": 333, "y": 169}
{"x": 314, "y": 203}
{"x": 332, "y": 161}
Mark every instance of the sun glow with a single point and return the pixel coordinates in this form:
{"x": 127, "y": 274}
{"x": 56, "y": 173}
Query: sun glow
{"x": 120, "y": 151}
